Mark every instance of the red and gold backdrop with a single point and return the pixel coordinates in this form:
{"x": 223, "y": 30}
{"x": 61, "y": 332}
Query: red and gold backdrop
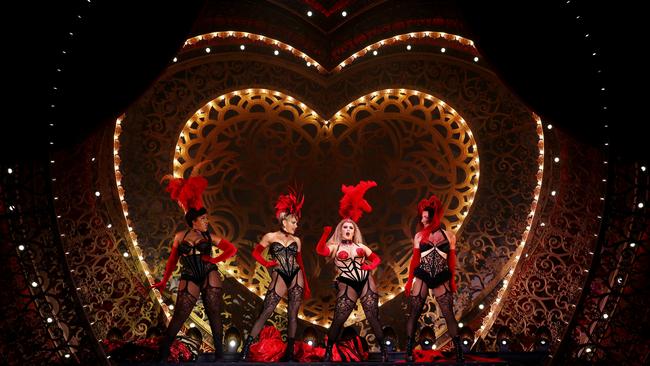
{"x": 416, "y": 120}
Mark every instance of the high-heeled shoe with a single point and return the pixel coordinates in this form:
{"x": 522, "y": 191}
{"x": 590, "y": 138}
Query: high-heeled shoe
{"x": 243, "y": 356}
{"x": 410, "y": 343}
{"x": 458, "y": 347}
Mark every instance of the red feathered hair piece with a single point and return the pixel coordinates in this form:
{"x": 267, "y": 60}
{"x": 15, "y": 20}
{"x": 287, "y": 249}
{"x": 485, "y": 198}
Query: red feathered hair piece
{"x": 290, "y": 203}
{"x": 434, "y": 203}
{"x": 352, "y": 204}
{"x": 187, "y": 192}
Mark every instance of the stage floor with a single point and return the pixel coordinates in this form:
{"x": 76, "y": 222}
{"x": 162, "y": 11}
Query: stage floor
{"x": 505, "y": 358}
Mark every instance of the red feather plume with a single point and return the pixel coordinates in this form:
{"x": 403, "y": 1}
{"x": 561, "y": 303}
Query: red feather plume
{"x": 353, "y": 205}
{"x": 290, "y": 203}
{"x": 187, "y": 192}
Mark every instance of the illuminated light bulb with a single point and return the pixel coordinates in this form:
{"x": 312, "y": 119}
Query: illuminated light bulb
{"x": 276, "y": 52}
{"x": 207, "y": 50}
{"x": 374, "y": 53}
{"x": 21, "y": 247}
{"x": 175, "y": 59}
{"x": 408, "y": 47}
{"x": 476, "y": 59}
{"x": 343, "y": 14}
{"x": 605, "y": 316}
{"x": 460, "y": 325}
{"x": 443, "y": 50}
{"x": 556, "y": 159}
{"x": 309, "y": 13}
{"x": 632, "y": 245}
{"x": 553, "y": 193}
{"x": 481, "y": 306}
{"x": 242, "y": 47}
{"x": 192, "y": 325}
{"x": 125, "y": 254}
{"x": 34, "y": 284}
{"x": 640, "y": 205}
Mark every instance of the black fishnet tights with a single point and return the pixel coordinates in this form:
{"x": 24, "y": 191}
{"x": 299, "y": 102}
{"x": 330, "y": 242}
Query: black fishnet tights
{"x": 277, "y": 288}
{"x": 346, "y": 300}
{"x": 370, "y": 304}
{"x": 212, "y": 298}
{"x": 418, "y": 298}
{"x": 295, "y": 298}
{"x": 446, "y": 303}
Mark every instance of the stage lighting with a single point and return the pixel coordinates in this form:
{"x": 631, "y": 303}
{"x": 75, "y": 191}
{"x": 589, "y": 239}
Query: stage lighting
{"x": 504, "y": 339}
{"x": 309, "y": 336}
{"x": 390, "y": 339}
{"x": 466, "y": 338}
{"x": 427, "y": 339}
{"x": 542, "y": 339}
{"x": 232, "y": 339}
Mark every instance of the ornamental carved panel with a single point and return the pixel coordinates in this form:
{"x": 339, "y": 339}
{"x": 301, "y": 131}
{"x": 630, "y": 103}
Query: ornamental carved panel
{"x": 257, "y": 141}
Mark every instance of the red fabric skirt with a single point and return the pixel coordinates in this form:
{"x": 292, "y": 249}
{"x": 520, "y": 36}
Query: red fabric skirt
{"x": 270, "y": 348}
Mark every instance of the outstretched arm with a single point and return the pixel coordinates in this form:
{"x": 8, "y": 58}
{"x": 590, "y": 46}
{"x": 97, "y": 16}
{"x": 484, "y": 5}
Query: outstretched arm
{"x": 170, "y": 266}
{"x": 322, "y": 248}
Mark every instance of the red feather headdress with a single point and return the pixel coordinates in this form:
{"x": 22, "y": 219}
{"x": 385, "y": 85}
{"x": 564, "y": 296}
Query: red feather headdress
{"x": 353, "y": 205}
{"x": 290, "y": 203}
{"x": 187, "y": 192}
{"x": 434, "y": 203}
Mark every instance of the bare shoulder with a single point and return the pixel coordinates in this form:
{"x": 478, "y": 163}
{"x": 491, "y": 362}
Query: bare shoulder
{"x": 450, "y": 234}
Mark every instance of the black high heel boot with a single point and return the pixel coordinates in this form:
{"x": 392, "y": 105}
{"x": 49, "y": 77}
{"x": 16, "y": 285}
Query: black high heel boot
{"x": 163, "y": 351}
{"x": 328, "y": 353}
{"x": 458, "y": 347}
{"x": 410, "y": 342}
{"x": 243, "y": 356}
{"x": 384, "y": 351}
{"x": 218, "y": 349}
{"x": 288, "y": 353}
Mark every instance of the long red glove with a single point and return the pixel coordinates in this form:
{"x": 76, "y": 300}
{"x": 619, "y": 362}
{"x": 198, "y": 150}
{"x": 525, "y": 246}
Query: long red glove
{"x": 307, "y": 293}
{"x": 415, "y": 262}
{"x": 228, "y": 251}
{"x": 169, "y": 269}
{"x": 374, "y": 262}
{"x": 451, "y": 262}
{"x": 322, "y": 248}
{"x": 257, "y": 254}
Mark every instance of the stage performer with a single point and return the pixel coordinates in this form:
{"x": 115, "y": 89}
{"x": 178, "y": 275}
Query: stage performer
{"x": 353, "y": 261}
{"x": 199, "y": 273}
{"x": 288, "y": 276}
{"x": 432, "y": 268}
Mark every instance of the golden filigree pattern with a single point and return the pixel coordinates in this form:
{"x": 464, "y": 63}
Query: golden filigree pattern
{"x": 544, "y": 294}
{"x": 504, "y": 132}
{"x": 259, "y": 141}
